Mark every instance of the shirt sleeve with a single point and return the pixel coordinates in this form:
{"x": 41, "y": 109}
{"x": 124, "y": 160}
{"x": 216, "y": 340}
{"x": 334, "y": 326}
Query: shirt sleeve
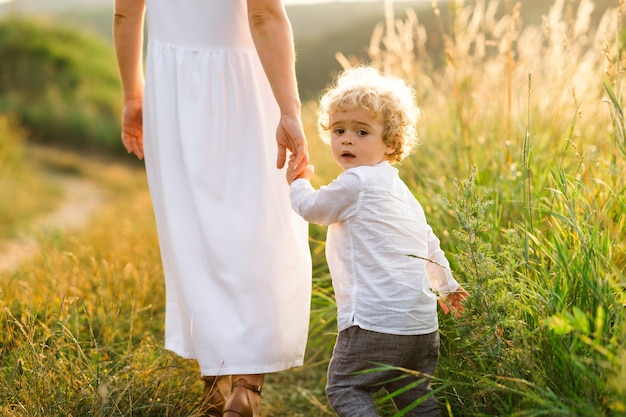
{"x": 330, "y": 204}
{"x": 438, "y": 269}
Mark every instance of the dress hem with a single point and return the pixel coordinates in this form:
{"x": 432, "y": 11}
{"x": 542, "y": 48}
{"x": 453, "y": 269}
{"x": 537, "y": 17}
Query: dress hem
{"x": 242, "y": 369}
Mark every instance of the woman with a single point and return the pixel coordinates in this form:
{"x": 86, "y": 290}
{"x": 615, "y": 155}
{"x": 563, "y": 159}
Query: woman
{"x": 219, "y": 78}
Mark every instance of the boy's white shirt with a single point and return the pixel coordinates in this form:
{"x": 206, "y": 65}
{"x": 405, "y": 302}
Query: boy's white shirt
{"x": 374, "y": 225}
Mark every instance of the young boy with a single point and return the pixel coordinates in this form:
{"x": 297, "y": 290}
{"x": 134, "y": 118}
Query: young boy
{"x": 384, "y": 259}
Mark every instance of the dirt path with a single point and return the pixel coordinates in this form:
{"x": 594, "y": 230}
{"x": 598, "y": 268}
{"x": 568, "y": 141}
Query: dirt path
{"x": 82, "y": 197}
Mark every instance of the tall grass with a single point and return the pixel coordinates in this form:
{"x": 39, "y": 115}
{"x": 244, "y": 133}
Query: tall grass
{"x": 523, "y": 168}
{"x": 79, "y": 329}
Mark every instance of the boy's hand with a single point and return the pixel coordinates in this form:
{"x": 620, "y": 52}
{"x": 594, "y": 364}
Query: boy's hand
{"x": 291, "y": 170}
{"x": 454, "y": 302}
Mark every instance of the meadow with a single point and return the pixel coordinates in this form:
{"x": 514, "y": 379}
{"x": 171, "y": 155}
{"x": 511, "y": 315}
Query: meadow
{"x": 521, "y": 171}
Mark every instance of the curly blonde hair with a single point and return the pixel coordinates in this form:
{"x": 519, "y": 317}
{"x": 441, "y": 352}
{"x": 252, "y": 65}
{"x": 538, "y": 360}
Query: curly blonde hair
{"x": 389, "y": 98}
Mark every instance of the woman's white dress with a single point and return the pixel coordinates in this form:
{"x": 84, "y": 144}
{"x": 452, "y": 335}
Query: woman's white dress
{"x": 236, "y": 257}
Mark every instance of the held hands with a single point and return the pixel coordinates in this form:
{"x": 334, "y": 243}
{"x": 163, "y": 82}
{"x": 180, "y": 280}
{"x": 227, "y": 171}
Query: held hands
{"x": 307, "y": 173}
{"x": 453, "y": 302}
{"x": 290, "y": 136}
{"x": 132, "y": 127}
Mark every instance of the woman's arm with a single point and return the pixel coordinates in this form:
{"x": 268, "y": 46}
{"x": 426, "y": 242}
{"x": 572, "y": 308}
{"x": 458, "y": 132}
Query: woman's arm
{"x": 273, "y": 39}
{"x": 128, "y": 40}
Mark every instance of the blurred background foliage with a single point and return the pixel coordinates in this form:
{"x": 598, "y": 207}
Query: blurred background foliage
{"x": 59, "y": 79}
{"x": 59, "y": 83}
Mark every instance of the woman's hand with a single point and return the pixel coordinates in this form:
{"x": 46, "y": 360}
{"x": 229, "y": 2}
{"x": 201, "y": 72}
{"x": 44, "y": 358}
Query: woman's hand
{"x": 132, "y": 127}
{"x": 290, "y": 136}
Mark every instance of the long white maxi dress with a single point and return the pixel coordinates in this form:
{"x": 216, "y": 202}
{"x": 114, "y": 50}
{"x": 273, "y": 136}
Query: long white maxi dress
{"x": 235, "y": 256}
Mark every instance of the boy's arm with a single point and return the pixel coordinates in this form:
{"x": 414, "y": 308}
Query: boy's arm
{"x": 330, "y": 204}
{"x": 440, "y": 277}
{"x": 438, "y": 269}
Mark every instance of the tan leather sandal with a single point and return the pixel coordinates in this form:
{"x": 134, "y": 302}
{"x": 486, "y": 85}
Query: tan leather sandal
{"x": 238, "y": 404}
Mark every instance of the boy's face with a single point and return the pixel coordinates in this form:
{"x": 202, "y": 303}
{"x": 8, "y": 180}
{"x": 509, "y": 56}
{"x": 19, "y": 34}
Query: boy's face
{"x": 356, "y": 138}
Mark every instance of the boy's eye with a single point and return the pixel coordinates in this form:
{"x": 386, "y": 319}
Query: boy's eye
{"x": 339, "y": 131}
{"x": 361, "y": 132}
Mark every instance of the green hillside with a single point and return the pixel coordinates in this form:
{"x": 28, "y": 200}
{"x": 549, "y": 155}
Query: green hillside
{"x": 60, "y": 84}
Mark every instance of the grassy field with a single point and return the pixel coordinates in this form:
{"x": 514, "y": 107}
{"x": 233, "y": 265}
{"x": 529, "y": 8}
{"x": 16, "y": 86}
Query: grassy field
{"x": 521, "y": 171}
